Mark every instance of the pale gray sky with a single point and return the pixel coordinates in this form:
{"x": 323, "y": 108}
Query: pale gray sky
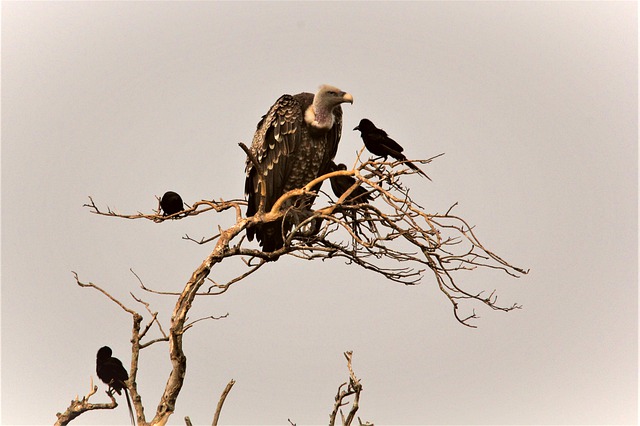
{"x": 533, "y": 104}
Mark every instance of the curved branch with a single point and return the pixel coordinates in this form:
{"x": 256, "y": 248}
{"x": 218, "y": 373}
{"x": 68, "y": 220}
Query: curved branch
{"x": 80, "y": 406}
{"x": 178, "y": 319}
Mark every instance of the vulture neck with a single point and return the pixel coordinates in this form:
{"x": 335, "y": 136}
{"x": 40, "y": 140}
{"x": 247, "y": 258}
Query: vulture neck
{"x": 319, "y": 116}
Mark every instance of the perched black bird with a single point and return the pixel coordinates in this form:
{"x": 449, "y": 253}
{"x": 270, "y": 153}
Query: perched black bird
{"x": 171, "y": 203}
{"x": 111, "y": 371}
{"x": 340, "y": 184}
{"x": 293, "y": 144}
{"x": 379, "y": 143}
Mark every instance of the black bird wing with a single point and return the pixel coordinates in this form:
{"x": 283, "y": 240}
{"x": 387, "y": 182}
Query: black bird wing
{"x": 379, "y": 143}
{"x": 119, "y": 371}
{"x": 119, "y": 375}
{"x": 277, "y": 136}
{"x": 290, "y": 154}
{"x": 360, "y": 195}
{"x": 112, "y": 372}
{"x": 382, "y": 145}
{"x": 341, "y": 184}
{"x": 382, "y": 138}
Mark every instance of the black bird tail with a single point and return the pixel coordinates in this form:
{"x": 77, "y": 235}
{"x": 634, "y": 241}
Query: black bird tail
{"x": 400, "y": 157}
{"x": 133, "y": 419}
{"x": 417, "y": 169}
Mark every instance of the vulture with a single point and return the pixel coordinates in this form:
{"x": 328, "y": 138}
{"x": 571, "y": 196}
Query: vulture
{"x": 340, "y": 184}
{"x": 379, "y": 143}
{"x": 111, "y": 371}
{"x": 294, "y": 143}
{"x": 171, "y": 203}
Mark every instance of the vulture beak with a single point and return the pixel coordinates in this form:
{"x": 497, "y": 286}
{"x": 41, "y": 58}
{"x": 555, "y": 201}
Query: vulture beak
{"x": 346, "y": 97}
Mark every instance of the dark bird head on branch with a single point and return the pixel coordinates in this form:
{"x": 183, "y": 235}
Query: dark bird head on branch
{"x": 171, "y": 203}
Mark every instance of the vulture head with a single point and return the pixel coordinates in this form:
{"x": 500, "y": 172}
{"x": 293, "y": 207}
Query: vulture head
{"x": 320, "y": 113}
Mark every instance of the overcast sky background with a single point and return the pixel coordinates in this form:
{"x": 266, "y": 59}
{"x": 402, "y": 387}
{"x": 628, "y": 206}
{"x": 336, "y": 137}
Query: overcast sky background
{"x": 533, "y": 104}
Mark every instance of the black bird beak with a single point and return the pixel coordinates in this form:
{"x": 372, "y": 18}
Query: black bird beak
{"x": 356, "y": 128}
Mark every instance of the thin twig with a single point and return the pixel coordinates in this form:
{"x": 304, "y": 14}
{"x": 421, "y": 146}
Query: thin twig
{"x": 210, "y": 317}
{"x": 225, "y": 392}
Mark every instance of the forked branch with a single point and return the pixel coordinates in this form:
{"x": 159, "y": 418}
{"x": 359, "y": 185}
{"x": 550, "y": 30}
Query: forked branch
{"x": 393, "y": 236}
{"x": 345, "y": 390}
{"x": 80, "y": 406}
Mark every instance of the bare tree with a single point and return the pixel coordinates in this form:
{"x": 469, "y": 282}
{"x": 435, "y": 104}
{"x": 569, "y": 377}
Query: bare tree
{"x": 392, "y": 236}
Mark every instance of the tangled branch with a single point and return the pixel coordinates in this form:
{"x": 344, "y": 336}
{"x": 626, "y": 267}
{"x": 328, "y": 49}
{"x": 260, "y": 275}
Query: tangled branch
{"x": 392, "y": 236}
{"x": 346, "y": 389}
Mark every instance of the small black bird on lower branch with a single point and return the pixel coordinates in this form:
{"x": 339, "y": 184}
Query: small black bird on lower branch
{"x": 111, "y": 371}
{"x": 379, "y": 143}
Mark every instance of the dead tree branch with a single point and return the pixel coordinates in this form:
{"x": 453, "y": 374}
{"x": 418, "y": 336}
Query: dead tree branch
{"x": 392, "y": 230}
{"x": 210, "y": 317}
{"x": 179, "y": 317}
{"x": 353, "y": 387}
{"x": 392, "y": 236}
{"x": 198, "y": 207}
{"x": 136, "y": 335}
{"x": 79, "y": 406}
{"x": 225, "y": 392}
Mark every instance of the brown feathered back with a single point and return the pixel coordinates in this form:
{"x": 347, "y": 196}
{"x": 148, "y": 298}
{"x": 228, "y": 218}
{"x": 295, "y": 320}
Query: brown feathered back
{"x": 290, "y": 153}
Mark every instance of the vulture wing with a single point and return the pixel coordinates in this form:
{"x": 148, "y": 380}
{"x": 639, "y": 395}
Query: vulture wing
{"x": 291, "y": 150}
